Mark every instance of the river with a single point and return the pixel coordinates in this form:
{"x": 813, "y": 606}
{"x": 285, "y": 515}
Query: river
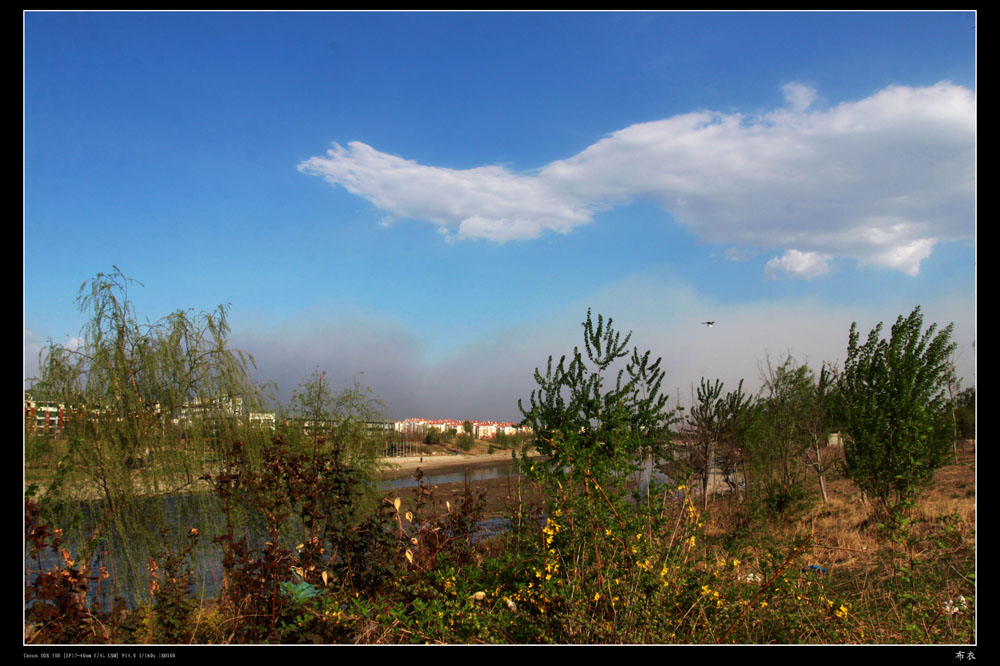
{"x": 207, "y": 573}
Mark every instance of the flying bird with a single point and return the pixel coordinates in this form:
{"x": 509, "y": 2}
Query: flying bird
{"x": 708, "y": 323}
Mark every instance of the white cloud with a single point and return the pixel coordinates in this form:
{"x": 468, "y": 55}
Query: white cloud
{"x": 798, "y": 95}
{"x": 799, "y": 264}
{"x": 486, "y": 202}
{"x": 880, "y": 180}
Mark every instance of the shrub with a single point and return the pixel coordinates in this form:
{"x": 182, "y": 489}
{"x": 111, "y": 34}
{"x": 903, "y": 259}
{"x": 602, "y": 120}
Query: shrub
{"x": 893, "y": 402}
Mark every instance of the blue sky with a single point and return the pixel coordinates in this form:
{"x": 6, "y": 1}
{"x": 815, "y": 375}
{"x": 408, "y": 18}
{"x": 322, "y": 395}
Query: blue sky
{"x": 429, "y": 202}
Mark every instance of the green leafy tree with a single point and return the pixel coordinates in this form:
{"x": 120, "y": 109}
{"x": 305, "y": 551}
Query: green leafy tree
{"x": 347, "y": 422}
{"x": 432, "y": 436}
{"x": 464, "y": 442}
{"x": 821, "y": 424}
{"x": 595, "y": 423}
{"x": 894, "y": 406}
{"x": 313, "y": 402}
{"x": 583, "y": 423}
{"x": 788, "y": 425}
{"x": 717, "y": 422}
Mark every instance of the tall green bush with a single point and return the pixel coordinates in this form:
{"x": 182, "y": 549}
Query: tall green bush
{"x": 893, "y": 403}
{"x": 582, "y": 422}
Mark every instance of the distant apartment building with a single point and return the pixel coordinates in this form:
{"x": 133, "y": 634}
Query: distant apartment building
{"x": 43, "y": 417}
{"x": 411, "y": 426}
{"x": 485, "y": 430}
{"x": 262, "y": 419}
{"x": 47, "y": 417}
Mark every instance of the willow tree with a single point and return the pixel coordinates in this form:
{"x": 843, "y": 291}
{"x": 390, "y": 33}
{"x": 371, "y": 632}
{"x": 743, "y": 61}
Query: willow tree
{"x": 148, "y": 404}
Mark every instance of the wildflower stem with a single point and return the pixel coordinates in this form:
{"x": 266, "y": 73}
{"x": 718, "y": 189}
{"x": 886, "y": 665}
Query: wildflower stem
{"x": 777, "y": 573}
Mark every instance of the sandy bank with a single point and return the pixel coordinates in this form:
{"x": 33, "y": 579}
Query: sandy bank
{"x": 405, "y": 466}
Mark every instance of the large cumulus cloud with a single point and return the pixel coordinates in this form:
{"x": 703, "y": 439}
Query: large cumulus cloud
{"x": 879, "y": 180}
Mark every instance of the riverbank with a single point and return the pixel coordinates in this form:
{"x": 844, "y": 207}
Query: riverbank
{"x": 393, "y": 468}
{"x": 399, "y": 467}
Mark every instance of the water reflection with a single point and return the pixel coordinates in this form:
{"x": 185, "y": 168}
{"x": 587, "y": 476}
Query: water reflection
{"x": 466, "y": 474}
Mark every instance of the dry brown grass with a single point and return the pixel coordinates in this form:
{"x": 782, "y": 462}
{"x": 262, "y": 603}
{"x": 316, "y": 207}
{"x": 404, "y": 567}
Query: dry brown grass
{"x": 898, "y": 584}
{"x": 932, "y": 558}
{"x": 844, "y": 526}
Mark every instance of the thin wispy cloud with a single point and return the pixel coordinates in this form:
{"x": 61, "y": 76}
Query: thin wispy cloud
{"x": 880, "y": 180}
{"x": 801, "y": 264}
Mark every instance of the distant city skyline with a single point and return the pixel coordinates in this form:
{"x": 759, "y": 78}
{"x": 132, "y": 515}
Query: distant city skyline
{"x": 428, "y": 202}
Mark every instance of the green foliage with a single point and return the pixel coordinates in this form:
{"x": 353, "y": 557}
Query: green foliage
{"x": 173, "y": 605}
{"x": 719, "y": 423}
{"x": 148, "y": 405}
{"x": 788, "y": 422}
{"x": 893, "y": 403}
{"x": 582, "y": 424}
{"x": 316, "y": 533}
{"x": 314, "y": 403}
{"x": 465, "y": 442}
{"x": 965, "y": 413}
{"x": 344, "y": 423}
{"x": 594, "y": 561}
{"x": 513, "y": 441}
{"x": 432, "y": 436}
